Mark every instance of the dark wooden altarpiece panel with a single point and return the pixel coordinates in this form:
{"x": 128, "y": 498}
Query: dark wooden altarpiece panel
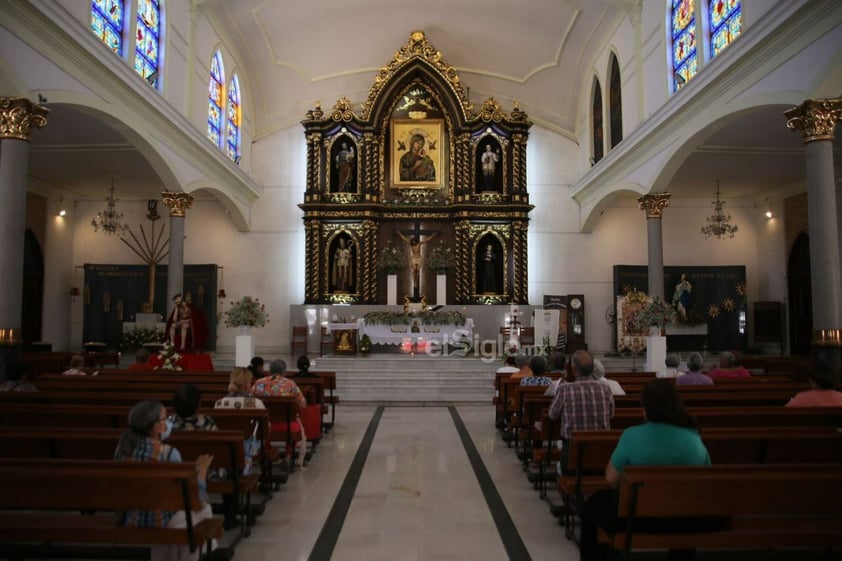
{"x": 416, "y": 162}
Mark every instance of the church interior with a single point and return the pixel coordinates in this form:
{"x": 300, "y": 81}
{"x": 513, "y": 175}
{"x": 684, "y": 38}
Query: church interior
{"x": 229, "y": 179}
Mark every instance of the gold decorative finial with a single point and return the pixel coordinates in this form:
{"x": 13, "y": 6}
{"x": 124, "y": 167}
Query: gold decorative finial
{"x": 654, "y": 204}
{"x": 18, "y": 115}
{"x": 816, "y": 118}
{"x": 178, "y": 203}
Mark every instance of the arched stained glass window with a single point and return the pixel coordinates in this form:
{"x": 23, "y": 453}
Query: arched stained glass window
{"x": 147, "y": 42}
{"x": 233, "y": 120}
{"x": 107, "y": 23}
{"x": 216, "y": 98}
{"x": 726, "y": 23}
{"x": 615, "y": 103}
{"x": 683, "y": 32}
{"x": 598, "y": 148}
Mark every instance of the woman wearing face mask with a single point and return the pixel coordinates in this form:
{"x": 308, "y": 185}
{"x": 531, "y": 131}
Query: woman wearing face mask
{"x": 143, "y": 442}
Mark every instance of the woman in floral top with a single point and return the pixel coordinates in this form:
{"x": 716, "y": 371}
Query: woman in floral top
{"x": 276, "y": 384}
{"x": 186, "y": 402}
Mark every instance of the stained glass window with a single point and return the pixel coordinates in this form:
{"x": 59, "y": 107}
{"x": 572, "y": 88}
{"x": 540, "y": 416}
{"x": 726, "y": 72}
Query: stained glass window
{"x": 598, "y": 148}
{"x": 615, "y": 103}
{"x": 726, "y": 23}
{"x": 107, "y": 23}
{"x": 216, "y": 99}
{"x": 147, "y": 43}
{"x": 232, "y": 128}
{"x": 684, "y": 63}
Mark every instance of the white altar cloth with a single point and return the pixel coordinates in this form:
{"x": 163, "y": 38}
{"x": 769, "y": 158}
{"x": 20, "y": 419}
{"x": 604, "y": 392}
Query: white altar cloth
{"x": 381, "y": 334}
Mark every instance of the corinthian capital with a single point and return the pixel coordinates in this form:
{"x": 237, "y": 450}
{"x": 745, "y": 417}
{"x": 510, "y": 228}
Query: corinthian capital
{"x": 178, "y": 203}
{"x": 18, "y": 115}
{"x": 654, "y": 204}
{"x": 816, "y": 118}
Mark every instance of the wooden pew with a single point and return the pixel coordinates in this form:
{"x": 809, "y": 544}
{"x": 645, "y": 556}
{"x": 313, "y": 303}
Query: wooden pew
{"x": 590, "y": 451}
{"x": 75, "y": 443}
{"x": 744, "y": 417}
{"x": 17, "y": 415}
{"x": 44, "y": 501}
{"x": 764, "y": 507}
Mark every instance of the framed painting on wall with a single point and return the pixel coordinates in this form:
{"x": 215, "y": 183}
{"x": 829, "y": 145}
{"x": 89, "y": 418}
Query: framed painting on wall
{"x": 417, "y": 153}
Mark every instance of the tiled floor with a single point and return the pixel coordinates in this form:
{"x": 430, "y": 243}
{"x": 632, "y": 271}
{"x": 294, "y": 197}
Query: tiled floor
{"x": 418, "y": 497}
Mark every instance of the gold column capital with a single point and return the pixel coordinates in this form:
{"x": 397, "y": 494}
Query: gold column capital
{"x": 815, "y": 118}
{"x": 654, "y": 204}
{"x": 178, "y": 203}
{"x": 827, "y": 337}
{"x": 18, "y": 115}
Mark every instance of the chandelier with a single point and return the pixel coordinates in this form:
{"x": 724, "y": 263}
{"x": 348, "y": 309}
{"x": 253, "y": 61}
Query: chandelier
{"x": 718, "y": 224}
{"x": 110, "y": 220}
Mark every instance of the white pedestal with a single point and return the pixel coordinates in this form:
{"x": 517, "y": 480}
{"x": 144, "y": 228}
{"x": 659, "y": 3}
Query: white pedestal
{"x": 244, "y": 350}
{"x": 441, "y": 290}
{"x": 147, "y": 318}
{"x": 656, "y": 353}
{"x": 392, "y": 290}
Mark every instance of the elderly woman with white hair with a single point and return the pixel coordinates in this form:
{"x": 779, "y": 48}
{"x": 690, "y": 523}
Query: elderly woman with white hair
{"x": 599, "y": 376}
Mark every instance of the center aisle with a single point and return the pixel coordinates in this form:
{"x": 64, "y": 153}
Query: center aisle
{"x": 416, "y": 495}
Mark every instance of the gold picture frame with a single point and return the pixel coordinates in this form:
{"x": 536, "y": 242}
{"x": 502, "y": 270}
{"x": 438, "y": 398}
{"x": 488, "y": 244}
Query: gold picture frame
{"x": 418, "y": 153}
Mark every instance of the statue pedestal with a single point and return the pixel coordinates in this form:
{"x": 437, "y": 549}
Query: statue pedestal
{"x": 147, "y": 318}
{"x": 441, "y": 290}
{"x": 243, "y": 350}
{"x": 656, "y": 353}
{"x": 392, "y": 290}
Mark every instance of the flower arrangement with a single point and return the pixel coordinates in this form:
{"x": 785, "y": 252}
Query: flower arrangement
{"x": 169, "y": 357}
{"x": 246, "y": 312}
{"x": 391, "y": 259}
{"x": 135, "y": 338}
{"x": 425, "y": 317}
{"x": 441, "y": 258}
{"x": 655, "y": 312}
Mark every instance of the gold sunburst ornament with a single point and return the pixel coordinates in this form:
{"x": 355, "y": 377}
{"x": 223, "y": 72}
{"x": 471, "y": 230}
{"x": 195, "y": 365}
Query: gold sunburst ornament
{"x": 740, "y": 288}
{"x": 713, "y": 311}
{"x": 729, "y": 305}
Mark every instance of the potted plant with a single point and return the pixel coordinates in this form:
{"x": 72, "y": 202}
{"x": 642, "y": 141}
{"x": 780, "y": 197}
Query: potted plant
{"x": 246, "y": 313}
{"x": 365, "y": 344}
{"x": 391, "y": 259}
{"x": 655, "y": 313}
{"x": 441, "y": 258}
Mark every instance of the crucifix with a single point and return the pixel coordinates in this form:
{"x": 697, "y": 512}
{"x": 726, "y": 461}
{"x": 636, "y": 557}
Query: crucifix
{"x": 416, "y": 261}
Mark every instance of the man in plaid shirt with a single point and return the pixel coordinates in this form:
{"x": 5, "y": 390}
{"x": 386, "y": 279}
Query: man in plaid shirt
{"x": 585, "y": 404}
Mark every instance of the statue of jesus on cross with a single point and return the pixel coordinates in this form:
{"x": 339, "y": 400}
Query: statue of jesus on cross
{"x": 416, "y": 260}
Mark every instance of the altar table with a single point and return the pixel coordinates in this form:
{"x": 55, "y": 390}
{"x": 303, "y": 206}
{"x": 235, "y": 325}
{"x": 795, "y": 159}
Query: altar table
{"x": 381, "y": 334}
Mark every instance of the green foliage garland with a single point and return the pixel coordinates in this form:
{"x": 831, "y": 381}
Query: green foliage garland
{"x": 428, "y": 318}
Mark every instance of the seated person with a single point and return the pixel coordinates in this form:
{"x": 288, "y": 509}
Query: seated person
{"x": 557, "y": 368}
{"x": 77, "y": 362}
{"x": 239, "y": 392}
{"x": 599, "y": 376}
{"x": 15, "y": 378}
{"x": 303, "y": 365}
{"x": 142, "y": 441}
{"x": 256, "y": 367}
{"x": 821, "y": 392}
{"x": 276, "y": 384}
{"x": 694, "y": 377}
{"x": 671, "y": 362}
{"x": 141, "y": 360}
{"x": 186, "y": 402}
{"x": 522, "y": 364}
{"x": 728, "y": 368}
{"x": 669, "y": 437}
{"x": 538, "y": 365}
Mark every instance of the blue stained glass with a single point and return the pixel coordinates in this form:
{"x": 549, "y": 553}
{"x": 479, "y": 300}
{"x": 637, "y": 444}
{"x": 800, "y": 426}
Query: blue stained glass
{"x": 147, "y": 41}
{"x": 107, "y": 23}
{"x": 726, "y": 18}
{"x": 232, "y": 128}
{"x": 216, "y": 98}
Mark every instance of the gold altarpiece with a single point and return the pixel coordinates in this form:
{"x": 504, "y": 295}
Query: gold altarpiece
{"x": 416, "y": 163}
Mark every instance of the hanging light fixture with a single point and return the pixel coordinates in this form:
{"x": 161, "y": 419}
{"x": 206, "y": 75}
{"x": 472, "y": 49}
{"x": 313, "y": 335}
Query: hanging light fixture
{"x": 718, "y": 224}
{"x": 110, "y": 220}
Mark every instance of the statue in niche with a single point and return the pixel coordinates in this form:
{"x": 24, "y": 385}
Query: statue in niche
{"x": 489, "y": 167}
{"x": 343, "y": 266}
{"x": 488, "y": 269}
{"x": 344, "y": 163}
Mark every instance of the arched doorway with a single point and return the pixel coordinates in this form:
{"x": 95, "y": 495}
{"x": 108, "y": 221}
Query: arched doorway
{"x": 800, "y": 296}
{"x": 33, "y": 289}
